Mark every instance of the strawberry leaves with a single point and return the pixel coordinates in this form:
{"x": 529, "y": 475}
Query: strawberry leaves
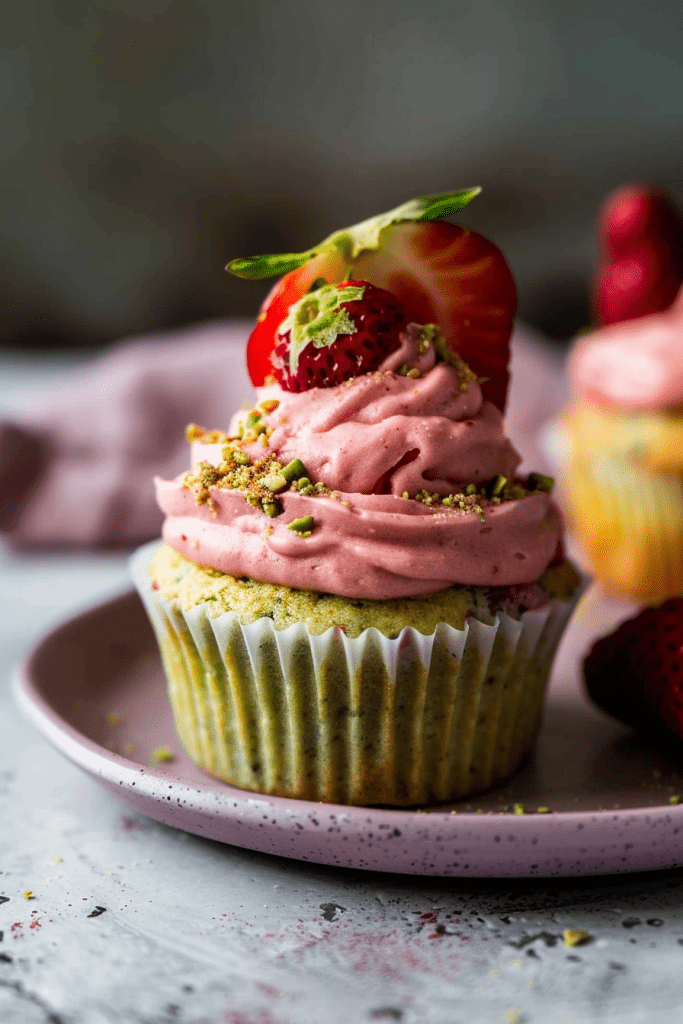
{"x": 349, "y": 243}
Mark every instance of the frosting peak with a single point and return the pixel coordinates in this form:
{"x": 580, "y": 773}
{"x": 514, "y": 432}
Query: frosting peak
{"x": 407, "y": 456}
{"x": 636, "y": 365}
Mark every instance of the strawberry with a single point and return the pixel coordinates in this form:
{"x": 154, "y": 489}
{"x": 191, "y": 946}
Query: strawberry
{"x": 640, "y": 234}
{"x": 636, "y": 673}
{"x": 336, "y": 332}
{"x": 442, "y": 274}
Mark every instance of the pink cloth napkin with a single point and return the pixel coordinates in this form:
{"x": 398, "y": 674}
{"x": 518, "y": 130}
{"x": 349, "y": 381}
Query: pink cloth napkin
{"x": 76, "y": 466}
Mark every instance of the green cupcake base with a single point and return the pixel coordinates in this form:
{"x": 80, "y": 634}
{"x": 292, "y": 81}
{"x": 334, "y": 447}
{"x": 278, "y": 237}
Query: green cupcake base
{"x": 365, "y": 720}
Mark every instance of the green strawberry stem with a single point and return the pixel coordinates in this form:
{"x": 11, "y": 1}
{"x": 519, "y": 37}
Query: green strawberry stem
{"x": 351, "y": 242}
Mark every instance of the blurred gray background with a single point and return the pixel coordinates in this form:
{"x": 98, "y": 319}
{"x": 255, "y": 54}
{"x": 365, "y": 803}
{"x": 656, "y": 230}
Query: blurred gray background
{"x": 146, "y": 142}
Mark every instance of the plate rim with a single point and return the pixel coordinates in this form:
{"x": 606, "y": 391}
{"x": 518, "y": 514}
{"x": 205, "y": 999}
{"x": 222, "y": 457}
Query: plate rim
{"x": 118, "y": 773}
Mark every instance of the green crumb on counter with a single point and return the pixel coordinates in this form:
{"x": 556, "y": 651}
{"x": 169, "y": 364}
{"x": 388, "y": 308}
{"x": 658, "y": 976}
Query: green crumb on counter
{"x": 518, "y": 809}
{"x": 674, "y": 799}
{"x": 302, "y": 526}
{"x": 574, "y": 937}
{"x": 542, "y": 810}
{"x": 163, "y": 755}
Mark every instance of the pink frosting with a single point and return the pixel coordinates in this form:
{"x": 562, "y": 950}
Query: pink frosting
{"x": 371, "y": 439}
{"x": 637, "y": 364}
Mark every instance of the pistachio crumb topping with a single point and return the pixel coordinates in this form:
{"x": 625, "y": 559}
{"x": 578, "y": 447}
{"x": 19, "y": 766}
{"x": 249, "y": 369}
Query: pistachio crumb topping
{"x": 258, "y": 480}
{"x": 302, "y": 526}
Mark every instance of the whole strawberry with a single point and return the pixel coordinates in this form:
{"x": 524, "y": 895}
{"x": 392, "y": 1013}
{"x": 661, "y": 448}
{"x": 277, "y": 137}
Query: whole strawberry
{"x": 336, "y": 332}
{"x": 636, "y": 673}
{"x": 640, "y": 234}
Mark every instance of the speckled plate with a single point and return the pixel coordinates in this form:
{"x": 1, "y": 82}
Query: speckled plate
{"x": 95, "y": 688}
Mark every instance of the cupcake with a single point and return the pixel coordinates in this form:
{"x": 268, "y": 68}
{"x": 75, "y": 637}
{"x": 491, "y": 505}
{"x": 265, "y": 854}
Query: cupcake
{"x": 624, "y": 474}
{"x": 357, "y": 598}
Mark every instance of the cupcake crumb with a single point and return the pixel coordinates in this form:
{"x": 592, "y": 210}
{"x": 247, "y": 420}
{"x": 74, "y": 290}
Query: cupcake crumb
{"x": 163, "y": 755}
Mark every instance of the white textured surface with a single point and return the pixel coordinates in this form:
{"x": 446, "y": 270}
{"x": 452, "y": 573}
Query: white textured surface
{"x": 197, "y": 933}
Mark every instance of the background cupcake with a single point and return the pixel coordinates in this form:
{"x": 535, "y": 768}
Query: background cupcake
{"x": 354, "y": 601}
{"x": 624, "y": 479}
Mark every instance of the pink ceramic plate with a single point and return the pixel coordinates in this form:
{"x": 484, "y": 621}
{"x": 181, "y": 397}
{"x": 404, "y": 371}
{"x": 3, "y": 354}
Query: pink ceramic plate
{"x": 95, "y": 688}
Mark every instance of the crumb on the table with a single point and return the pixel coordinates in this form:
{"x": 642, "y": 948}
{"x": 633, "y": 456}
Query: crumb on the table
{"x": 163, "y": 755}
{"x": 574, "y": 937}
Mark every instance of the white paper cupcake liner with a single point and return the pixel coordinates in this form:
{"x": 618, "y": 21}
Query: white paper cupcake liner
{"x": 366, "y": 720}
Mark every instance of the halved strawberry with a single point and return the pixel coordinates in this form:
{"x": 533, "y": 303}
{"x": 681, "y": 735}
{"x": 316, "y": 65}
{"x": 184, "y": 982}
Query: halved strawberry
{"x": 640, "y": 233}
{"x": 442, "y": 273}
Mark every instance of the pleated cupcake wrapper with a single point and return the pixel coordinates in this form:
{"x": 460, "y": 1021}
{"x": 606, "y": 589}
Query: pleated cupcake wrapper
{"x": 366, "y": 720}
{"x": 630, "y": 522}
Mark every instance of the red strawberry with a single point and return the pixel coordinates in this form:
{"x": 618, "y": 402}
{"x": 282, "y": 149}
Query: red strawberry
{"x": 640, "y": 233}
{"x": 328, "y": 338}
{"x": 636, "y": 673}
{"x": 442, "y": 274}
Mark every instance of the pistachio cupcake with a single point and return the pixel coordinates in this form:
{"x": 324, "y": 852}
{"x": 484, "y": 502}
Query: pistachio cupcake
{"x": 624, "y": 474}
{"x": 357, "y": 598}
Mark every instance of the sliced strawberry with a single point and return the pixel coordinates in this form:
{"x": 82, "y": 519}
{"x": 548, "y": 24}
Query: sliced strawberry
{"x": 442, "y": 274}
{"x": 636, "y": 673}
{"x": 336, "y": 332}
{"x": 457, "y": 279}
{"x": 640, "y": 233}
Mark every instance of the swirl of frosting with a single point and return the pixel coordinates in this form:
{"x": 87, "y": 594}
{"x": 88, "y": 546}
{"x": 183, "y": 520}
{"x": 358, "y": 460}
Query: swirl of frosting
{"x": 372, "y": 440}
{"x": 637, "y": 364}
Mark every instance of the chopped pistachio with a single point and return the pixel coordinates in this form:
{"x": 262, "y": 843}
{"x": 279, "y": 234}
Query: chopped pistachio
{"x": 275, "y": 482}
{"x": 294, "y": 470}
{"x": 574, "y": 936}
{"x": 304, "y": 525}
{"x": 193, "y": 432}
{"x": 541, "y": 482}
{"x": 496, "y": 485}
{"x": 269, "y": 404}
{"x": 272, "y": 507}
{"x": 518, "y": 809}
{"x": 241, "y": 458}
{"x": 404, "y": 370}
{"x": 405, "y": 494}
{"x": 414, "y": 373}
{"x": 471, "y": 489}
